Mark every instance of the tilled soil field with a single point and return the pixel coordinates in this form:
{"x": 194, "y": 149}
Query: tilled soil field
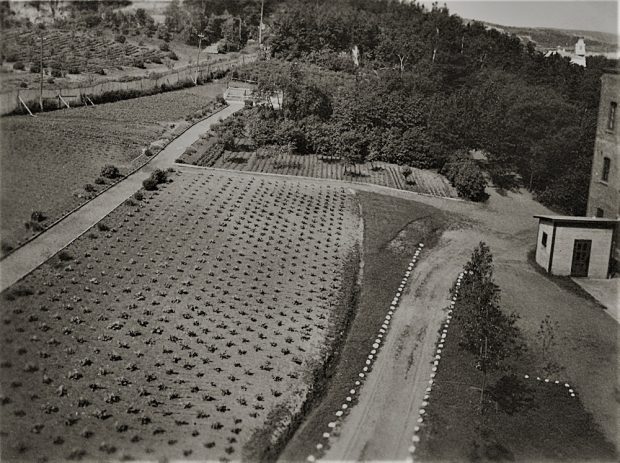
{"x": 47, "y": 161}
{"x": 189, "y": 325}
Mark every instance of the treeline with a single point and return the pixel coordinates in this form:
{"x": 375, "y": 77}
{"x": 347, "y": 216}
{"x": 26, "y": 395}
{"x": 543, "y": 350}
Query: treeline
{"x": 423, "y": 84}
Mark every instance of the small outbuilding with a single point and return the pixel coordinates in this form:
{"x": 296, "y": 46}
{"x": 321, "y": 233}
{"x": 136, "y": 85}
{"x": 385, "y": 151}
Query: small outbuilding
{"x": 575, "y": 246}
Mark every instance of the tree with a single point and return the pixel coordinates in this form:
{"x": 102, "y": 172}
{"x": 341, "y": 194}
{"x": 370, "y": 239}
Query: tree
{"x": 487, "y": 332}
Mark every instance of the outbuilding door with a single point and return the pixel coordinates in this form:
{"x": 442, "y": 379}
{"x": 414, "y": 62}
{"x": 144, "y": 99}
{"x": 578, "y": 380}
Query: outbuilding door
{"x": 581, "y": 258}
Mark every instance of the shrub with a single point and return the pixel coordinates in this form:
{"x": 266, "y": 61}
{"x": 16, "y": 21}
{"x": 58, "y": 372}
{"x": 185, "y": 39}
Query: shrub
{"x": 164, "y": 46}
{"x": 130, "y": 202}
{"x": 20, "y": 66}
{"x": 120, "y": 38}
{"x": 35, "y": 68}
{"x": 173, "y": 56}
{"x": 148, "y": 152}
{"x": 37, "y": 216}
{"x": 23, "y": 85}
{"x": 248, "y": 103}
{"x": 110, "y": 171}
{"x": 219, "y": 99}
{"x": 470, "y": 182}
{"x": 65, "y": 256}
{"x": 56, "y": 72}
{"x": 150, "y": 184}
{"x": 89, "y": 187}
{"x": 99, "y": 181}
{"x": 138, "y": 196}
{"x": 406, "y": 171}
{"x": 102, "y": 227}
{"x": 50, "y": 80}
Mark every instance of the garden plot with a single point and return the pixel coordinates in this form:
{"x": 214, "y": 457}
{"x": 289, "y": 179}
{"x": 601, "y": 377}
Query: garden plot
{"x": 312, "y": 165}
{"x": 186, "y": 326}
{"x": 47, "y": 161}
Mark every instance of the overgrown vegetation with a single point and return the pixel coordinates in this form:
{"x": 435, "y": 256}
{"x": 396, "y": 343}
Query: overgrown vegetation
{"x": 421, "y": 84}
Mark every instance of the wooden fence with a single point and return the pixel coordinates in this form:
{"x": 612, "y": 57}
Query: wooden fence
{"x": 10, "y": 101}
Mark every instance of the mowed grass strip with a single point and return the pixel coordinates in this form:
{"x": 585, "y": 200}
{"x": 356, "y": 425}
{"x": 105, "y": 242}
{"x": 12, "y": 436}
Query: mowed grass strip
{"x": 180, "y": 327}
{"x": 529, "y": 421}
{"x": 393, "y": 228}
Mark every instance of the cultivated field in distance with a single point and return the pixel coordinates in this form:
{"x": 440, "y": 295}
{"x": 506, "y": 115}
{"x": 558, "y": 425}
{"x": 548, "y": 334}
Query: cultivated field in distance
{"x": 47, "y": 161}
{"x": 190, "y": 324}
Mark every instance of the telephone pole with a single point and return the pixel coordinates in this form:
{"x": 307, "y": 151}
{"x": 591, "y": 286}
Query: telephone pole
{"x": 41, "y": 70}
{"x": 200, "y": 37}
{"x": 260, "y": 27}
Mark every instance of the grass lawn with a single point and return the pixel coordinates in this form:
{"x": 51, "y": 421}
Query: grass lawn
{"x": 392, "y": 230}
{"x": 533, "y": 421}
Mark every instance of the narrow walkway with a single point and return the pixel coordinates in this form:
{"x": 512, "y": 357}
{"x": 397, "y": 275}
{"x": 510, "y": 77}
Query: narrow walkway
{"x": 27, "y": 258}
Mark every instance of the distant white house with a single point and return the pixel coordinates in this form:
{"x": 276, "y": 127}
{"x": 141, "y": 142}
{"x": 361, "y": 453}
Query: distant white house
{"x": 577, "y": 57}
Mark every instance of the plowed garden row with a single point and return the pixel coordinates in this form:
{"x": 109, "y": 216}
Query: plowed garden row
{"x": 379, "y": 173}
{"x": 185, "y": 326}
{"x": 46, "y": 161}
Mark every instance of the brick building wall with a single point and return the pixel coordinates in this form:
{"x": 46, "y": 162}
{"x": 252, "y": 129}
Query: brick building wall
{"x": 604, "y": 195}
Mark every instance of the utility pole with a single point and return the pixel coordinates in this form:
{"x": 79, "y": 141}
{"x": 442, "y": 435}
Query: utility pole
{"x": 41, "y": 70}
{"x": 200, "y": 37}
{"x": 260, "y": 27}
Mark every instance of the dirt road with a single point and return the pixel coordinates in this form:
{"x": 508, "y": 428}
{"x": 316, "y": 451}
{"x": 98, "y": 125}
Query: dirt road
{"x": 381, "y": 425}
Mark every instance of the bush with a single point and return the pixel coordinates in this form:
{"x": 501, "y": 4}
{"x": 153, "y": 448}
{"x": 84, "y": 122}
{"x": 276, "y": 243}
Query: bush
{"x": 173, "y": 56}
{"x": 89, "y": 187}
{"x": 150, "y": 184}
{"x": 50, "y": 80}
{"x": 35, "y": 68}
{"x": 120, "y": 38}
{"x": 470, "y": 182}
{"x": 23, "y": 85}
{"x": 138, "y": 196}
{"x": 102, "y": 227}
{"x": 157, "y": 177}
{"x": 37, "y": 216}
{"x": 56, "y": 72}
{"x": 99, "y": 181}
{"x": 110, "y": 171}
{"x": 406, "y": 171}
{"x": 164, "y": 46}
{"x": 219, "y": 99}
{"x": 20, "y": 66}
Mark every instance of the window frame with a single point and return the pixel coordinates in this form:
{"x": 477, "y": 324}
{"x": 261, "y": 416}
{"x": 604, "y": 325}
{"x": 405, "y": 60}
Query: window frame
{"x": 605, "y": 169}
{"x": 611, "y": 116}
{"x": 544, "y": 239}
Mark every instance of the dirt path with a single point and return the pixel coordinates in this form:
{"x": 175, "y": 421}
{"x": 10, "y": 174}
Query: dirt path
{"x": 381, "y": 425}
{"x": 25, "y": 259}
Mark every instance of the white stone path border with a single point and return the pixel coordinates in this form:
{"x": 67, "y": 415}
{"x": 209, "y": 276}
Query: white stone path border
{"x": 444, "y": 333}
{"x": 376, "y": 345}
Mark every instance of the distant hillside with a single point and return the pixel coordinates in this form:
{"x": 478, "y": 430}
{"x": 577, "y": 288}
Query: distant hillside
{"x": 546, "y": 38}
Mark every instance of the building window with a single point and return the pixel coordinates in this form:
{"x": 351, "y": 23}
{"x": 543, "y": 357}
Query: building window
{"x": 606, "y": 167}
{"x": 544, "y": 239}
{"x": 611, "y": 122}
{"x": 600, "y": 212}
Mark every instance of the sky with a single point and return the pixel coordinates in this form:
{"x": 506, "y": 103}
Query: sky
{"x": 593, "y": 15}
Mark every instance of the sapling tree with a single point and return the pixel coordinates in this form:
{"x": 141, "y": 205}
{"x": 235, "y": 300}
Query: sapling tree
{"x": 487, "y": 332}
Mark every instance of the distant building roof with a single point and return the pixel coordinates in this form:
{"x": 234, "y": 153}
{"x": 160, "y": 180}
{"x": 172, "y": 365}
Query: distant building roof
{"x": 572, "y": 220}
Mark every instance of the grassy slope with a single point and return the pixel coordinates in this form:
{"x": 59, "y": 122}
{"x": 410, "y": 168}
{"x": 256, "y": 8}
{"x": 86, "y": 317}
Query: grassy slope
{"x": 546, "y": 422}
{"x": 392, "y": 229}
{"x": 47, "y": 160}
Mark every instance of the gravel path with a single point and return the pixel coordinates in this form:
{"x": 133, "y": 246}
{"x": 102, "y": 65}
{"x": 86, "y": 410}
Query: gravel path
{"x": 25, "y": 259}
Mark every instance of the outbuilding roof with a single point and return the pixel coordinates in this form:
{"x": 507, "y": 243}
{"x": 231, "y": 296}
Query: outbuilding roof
{"x": 572, "y": 220}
